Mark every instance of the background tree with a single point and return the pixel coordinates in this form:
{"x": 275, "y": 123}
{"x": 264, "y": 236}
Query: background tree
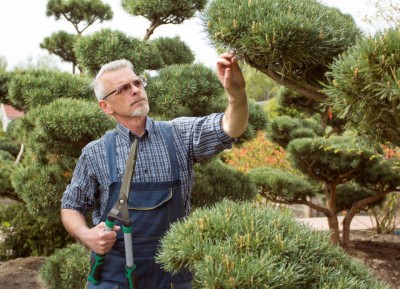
{"x": 54, "y": 129}
{"x": 173, "y": 50}
{"x": 81, "y": 14}
{"x": 163, "y": 12}
{"x": 295, "y": 46}
{"x": 364, "y": 87}
{"x": 61, "y": 43}
{"x": 106, "y": 45}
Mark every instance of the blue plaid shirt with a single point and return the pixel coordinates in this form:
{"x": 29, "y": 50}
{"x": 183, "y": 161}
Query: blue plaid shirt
{"x": 195, "y": 139}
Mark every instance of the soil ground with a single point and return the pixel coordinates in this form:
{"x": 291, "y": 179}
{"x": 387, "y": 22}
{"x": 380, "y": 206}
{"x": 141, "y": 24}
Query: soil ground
{"x": 380, "y": 253}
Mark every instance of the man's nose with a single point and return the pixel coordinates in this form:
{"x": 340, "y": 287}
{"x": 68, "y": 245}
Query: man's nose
{"x": 134, "y": 88}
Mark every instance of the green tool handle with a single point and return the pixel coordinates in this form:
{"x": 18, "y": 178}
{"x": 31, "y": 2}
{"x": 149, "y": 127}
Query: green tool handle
{"x": 131, "y": 277}
{"x": 96, "y": 265}
{"x": 130, "y": 265}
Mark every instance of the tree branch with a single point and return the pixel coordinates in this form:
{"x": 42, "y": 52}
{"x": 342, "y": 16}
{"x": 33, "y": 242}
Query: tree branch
{"x": 298, "y": 202}
{"x": 306, "y": 90}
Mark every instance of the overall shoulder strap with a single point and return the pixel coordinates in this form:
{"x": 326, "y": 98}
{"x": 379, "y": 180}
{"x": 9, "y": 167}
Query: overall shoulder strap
{"x": 166, "y": 131}
{"x": 111, "y": 154}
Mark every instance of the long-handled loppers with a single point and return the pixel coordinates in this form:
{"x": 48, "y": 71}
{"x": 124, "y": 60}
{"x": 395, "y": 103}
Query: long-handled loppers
{"x": 120, "y": 212}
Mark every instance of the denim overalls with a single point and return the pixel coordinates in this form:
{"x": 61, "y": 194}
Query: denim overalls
{"x": 153, "y": 206}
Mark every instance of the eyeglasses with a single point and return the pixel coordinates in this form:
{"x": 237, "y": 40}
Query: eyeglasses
{"x": 123, "y": 88}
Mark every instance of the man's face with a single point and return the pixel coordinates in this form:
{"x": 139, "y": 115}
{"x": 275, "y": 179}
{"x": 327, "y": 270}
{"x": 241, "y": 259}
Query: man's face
{"x": 126, "y": 94}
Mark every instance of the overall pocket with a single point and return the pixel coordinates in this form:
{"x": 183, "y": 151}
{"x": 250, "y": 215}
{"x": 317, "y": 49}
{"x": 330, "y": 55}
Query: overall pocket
{"x": 150, "y": 212}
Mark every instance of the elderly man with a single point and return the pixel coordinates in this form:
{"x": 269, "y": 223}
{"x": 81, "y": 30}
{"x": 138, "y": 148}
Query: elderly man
{"x": 164, "y": 167}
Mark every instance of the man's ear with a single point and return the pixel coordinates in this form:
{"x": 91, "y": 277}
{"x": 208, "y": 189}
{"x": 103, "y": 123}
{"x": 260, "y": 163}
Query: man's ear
{"x": 105, "y": 107}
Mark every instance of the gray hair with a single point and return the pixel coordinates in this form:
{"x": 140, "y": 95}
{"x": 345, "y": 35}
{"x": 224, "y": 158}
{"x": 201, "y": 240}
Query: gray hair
{"x": 111, "y": 66}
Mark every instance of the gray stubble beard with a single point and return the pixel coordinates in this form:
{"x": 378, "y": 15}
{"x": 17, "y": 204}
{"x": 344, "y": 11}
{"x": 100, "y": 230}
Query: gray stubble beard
{"x": 141, "y": 111}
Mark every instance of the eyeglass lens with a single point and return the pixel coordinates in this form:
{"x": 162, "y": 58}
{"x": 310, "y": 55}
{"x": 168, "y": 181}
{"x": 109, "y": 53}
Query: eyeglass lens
{"x": 139, "y": 83}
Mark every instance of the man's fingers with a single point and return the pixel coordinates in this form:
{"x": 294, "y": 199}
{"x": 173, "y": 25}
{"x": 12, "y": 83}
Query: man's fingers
{"x": 228, "y": 75}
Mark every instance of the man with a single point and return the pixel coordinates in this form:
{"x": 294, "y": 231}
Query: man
{"x": 163, "y": 179}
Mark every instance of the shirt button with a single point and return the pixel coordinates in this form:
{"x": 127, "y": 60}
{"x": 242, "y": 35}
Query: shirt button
{"x": 145, "y": 171}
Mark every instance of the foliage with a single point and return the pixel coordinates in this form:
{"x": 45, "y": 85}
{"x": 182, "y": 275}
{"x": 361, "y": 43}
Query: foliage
{"x": 4, "y": 79}
{"x": 5, "y": 156}
{"x": 107, "y": 45}
{"x": 29, "y": 235}
{"x": 334, "y": 160}
{"x": 284, "y": 129}
{"x": 297, "y": 105}
{"x": 190, "y": 90}
{"x": 275, "y": 184}
{"x": 364, "y": 87}
{"x": 6, "y": 168}
{"x": 8, "y": 153}
{"x": 350, "y": 193}
{"x": 61, "y": 44}
{"x": 67, "y": 268}
{"x": 173, "y": 50}
{"x": 233, "y": 245}
{"x": 79, "y": 11}
{"x": 273, "y": 109}
{"x": 32, "y": 88}
{"x": 294, "y": 44}
{"x": 256, "y": 153}
{"x": 382, "y": 176}
{"x": 7, "y": 144}
{"x": 299, "y": 102}
{"x": 163, "y": 12}
{"x": 216, "y": 181}
{"x": 257, "y": 121}
{"x": 40, "y": 187}
{"x": 53, "y": 133}
{"x": 258, "y": 86}
{"x": 386, "y": 215}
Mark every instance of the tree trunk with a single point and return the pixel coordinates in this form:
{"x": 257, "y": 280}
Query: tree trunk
{"x": 353, "y": 211}
{"x": 149, "y": 31}
{"x": 330, "y": 194}
{"x": 21, "y": 152}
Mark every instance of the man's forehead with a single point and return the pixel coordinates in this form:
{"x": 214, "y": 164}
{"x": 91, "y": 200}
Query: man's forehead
{"x": 118, "y": 75}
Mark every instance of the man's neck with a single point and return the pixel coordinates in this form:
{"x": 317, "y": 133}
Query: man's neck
{"x": 137, "y": 125}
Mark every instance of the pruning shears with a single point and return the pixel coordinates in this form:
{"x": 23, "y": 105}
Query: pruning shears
{"x": 120, "y": 212}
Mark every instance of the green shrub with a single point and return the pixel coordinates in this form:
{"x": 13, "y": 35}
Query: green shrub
{"x": 6, "y": 144}
{"x": 216, "y": 181}
{"x": 29, "y": 235}
{"x": 67, "y": 268}
{"x": 232, "y": 245}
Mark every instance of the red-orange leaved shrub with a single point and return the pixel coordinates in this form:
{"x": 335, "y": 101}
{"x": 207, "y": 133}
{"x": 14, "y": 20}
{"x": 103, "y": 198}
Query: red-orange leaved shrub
{"x": 256, "y": 153}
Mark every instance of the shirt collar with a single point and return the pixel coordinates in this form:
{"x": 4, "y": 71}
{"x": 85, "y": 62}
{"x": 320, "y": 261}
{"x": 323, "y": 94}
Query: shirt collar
{"x": 125, "y": 133}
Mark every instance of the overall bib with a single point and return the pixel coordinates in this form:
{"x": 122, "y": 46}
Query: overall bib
{"x": 153, "y": 206}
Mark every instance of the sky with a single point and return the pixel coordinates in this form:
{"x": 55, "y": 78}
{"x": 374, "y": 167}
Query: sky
{"x": 24, "y": 25}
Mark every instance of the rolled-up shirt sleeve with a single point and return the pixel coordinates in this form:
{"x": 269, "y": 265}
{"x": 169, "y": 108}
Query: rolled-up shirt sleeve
{"x": 203, "y": 136}
{"x": 80, "y": 193}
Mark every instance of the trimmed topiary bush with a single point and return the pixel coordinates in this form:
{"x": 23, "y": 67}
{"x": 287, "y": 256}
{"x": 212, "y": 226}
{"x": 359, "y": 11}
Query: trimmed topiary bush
{"x": 232, "y": 245}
